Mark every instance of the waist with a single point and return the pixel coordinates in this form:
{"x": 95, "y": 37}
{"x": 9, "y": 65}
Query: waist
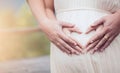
{"x": 82, "y": 18}
{"x": 81, "y": 9}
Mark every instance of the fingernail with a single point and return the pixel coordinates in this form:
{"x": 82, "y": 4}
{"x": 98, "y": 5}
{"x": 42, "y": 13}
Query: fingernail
{"x": 91, "y": 41}
{"x": 75, "y": 44}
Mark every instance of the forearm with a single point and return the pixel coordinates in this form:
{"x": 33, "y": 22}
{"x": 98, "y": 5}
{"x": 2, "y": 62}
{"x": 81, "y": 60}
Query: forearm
{"x": 40, "y": 11}
{"x": 50, "y": 14}
{"x": 49, "y": 4}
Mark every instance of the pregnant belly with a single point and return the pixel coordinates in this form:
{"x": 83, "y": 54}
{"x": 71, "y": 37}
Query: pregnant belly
{"x": 82, "y": 19}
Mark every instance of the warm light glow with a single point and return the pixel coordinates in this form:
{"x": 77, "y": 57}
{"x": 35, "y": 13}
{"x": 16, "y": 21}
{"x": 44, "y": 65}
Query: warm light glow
{"x": 13, "y": 44}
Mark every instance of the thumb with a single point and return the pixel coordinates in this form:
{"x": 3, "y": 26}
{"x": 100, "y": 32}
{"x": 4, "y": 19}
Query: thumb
{"x": 75, "y": 29}
{"x": 67, "y": 25}
{"x": 95, "y": 25}
{"x": 98, "y": 23}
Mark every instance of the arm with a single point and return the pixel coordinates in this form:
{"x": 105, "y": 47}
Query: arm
{"x": 43, "y": 10}
{"x": 50, "y": 9}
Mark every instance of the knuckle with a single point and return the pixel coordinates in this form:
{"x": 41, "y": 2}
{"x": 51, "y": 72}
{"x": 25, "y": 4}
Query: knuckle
{"x": 97, "y": 47}
{"x": 58, "y": 45}
{"x": 54, "y": 33}
{"x": 71, "y": 49}
{"x": 57, "y": 33}
{"x": 66, "y": 46}
{"x": 57, "y": 39}
{"x": 108, "y": 29}
{"x": 54, "y": 39}
{"x": 96, "y": 38}
{"x": 68, "y": 40}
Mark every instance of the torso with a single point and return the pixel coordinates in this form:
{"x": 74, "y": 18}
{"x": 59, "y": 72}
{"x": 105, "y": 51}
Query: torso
{"x": 83, "y": 13}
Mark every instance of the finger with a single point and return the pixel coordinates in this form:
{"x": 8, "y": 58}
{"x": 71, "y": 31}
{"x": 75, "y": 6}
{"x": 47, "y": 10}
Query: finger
{"x": 66, "y": 25}
{"x": 89, "y": 30}
{"x": 97, "y": 31}
{"x": 95, "y": 38}
{"x": 98, "y": 36}
{"x": 91, "y": 46}
{"x": 101, "y": 43}
{"x": 68, "y": 47}
{"x": 108, "y": 42}
{"x": 75, "y": 29}
{"x": 99, "y": 28}
{"x": 67, "y": 39}
{"x": 79, "y": 46}
{"x": 98, "y": 22}
{"x": 63, "y": 49}
{"x": 92, "y": 51}
{"x": 95, "y": 25}
{"x": 66, "y": 31}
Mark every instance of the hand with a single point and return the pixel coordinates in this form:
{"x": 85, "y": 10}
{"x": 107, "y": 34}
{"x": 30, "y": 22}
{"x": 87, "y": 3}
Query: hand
{"x": 68, "y": 28}
{"x": 54, "y": 31}
{"x": 107, "y": 28}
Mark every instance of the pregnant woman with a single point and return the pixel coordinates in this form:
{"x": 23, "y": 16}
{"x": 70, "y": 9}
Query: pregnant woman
{"x": 84, "y": 34}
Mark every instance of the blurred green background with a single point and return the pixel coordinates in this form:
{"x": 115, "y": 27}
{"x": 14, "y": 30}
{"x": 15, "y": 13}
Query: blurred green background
{"x": 16, "y": 42}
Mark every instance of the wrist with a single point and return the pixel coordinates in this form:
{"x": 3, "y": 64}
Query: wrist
{"x": 45, "y": 23}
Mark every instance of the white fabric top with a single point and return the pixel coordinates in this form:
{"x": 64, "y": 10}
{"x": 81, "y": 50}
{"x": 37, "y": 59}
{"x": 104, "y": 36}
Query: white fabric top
{"x": 107, "y": 61}
{"x": 105, "y": 5}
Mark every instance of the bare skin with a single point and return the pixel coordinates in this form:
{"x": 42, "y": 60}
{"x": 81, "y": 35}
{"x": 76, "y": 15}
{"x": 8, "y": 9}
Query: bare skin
{"x": 107, "y": 29}
{"x": 55, "y": 30}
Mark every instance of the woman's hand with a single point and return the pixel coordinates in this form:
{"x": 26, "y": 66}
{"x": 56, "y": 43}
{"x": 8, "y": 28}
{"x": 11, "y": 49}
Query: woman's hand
{"x": 107, "y": 28}
{"x": 54, "y": 31}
